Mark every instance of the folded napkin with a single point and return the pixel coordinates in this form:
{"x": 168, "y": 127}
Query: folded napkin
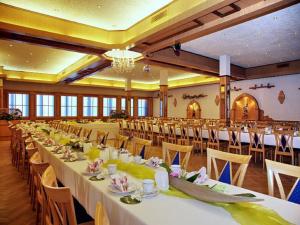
{"x": 120, "y": 182}
{"x": 94, "y": 166}
{"x": 154, "y": 162}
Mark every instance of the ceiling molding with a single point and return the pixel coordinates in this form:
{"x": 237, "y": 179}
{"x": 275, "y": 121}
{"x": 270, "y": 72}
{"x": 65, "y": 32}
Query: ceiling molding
{"x": 193, "y": 61}
{"x": 43, "y": 41}
{"x": 248, "y": 13}
{"x": 277, "y": 69}
{"x": 87, "y": 71}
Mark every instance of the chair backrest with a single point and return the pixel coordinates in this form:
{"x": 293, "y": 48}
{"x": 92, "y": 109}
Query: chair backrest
{"x": 101, "y": 217}
{"x": 257, "y": 138}
{"x": 184, "y": 131}
{"x": 213, "y": 134}
{"x": 234, "y": 134}
{"x": 178, "y": 150}
{"x": 86, "y": 133}
{"x": 284, "y": 141}
{"x": 226, "y": 174}
{"x": 60, "y": 202}
{"x": 161, "y": 129}
{"x": 102, "y": 137}
{"x": 276, "y": 168}
{"x": 197, "y": 132}
{"x": 140, "y": 147}
{"x": 121, "y": 141}
{"x": 171, "y": 130}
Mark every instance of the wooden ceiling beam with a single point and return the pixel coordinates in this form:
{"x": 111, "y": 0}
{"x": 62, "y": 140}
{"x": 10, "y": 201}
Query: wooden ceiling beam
{"x": 11, "y": 35}
{"x": 193, "y": 61}
{"x": 272, "y": 70}
{"x": 245, "y": 14}
{"x": 87, "y": 71}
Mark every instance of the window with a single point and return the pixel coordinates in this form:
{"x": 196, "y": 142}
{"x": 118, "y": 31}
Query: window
{"x": 123, "y": 104}
{"x": 68, "y": 105}
{"x": 19, "y": 101}
{"x": 44, "y": 105}
{"x": 142, "y": 107}
{"x": 131, "y": 107}
{"x": 90, "y": 106}
{"x": 109, "y": 104}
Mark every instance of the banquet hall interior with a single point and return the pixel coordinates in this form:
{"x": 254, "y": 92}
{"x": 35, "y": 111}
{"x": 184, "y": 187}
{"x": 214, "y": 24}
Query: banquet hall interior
{"x": 149, "y": 112}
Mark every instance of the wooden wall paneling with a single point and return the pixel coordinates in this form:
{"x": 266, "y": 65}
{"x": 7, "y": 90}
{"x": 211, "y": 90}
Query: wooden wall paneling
{"x": 150, "y": 106}
{"x": 57, "y": 106}
{"x": 119, "y": 103}
{"x": 79, "y": 107}
{"x": 135, "y": 106}
{"x": 32, "y": 105}
{"x": 100, "y": 106}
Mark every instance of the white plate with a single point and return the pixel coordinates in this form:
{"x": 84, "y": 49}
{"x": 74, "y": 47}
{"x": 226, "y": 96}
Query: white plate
{"x": 150, "y": 194}
{"x": 131, "y": 189}
{"x": 91, "y": 174}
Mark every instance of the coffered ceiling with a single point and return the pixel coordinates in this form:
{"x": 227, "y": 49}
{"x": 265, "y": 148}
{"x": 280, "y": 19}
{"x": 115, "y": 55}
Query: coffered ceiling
{"x": 34, "y": 58}
{"x": 269, "y": 39}
{"x": 105, "y": 14}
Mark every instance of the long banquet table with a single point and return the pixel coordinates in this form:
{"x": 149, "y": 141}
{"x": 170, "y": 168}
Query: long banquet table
{"x": 269, "y": 139}
{"x": 160, "y": 210}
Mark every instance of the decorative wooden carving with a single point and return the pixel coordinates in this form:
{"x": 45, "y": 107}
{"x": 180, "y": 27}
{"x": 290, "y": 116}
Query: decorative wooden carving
{"x": 281, "y": 97}
{"x": 217, "y": 100}
{"x": 245, "y": 107}
{"x": 235, "y": 89}
{"x": 186, "y": 96}
{"x": 193, "y": 110}
{"x": 262, "y": 86}
{"x": 175, "y": 102}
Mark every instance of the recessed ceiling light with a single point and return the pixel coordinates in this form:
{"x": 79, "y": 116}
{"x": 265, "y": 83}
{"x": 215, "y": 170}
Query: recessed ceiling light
{"x": 30, "y": 53}
{"x": 11, "y": 45}
{"x": 99, "y": 6}
{"x": 8, "y": 55}
{"x": 27, "y": 61}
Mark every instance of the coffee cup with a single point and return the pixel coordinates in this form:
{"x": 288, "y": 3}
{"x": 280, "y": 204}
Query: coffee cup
{"x": 138, "y": 159}
{"x": 148, "y": 185}
{"x": 112, "y": 169}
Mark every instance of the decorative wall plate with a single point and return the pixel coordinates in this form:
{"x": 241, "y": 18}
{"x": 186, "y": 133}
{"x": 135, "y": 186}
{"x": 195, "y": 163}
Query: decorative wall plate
{"x": 281, "y": 97}
{"x": 217, "y": 99}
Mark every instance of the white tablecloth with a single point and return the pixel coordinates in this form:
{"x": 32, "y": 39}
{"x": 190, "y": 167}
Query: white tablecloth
{"x": 161, "y": 210}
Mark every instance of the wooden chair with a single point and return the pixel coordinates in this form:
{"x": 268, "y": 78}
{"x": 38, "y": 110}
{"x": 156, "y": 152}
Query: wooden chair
{"x": 86, "y": 133}
{"x": 161, "y": 136}
{"x": 172, "y": 133}
{"x": 234, "y": 139}
{"x": 141, "y": 147}
{"x": 178, "y": 150}
{"x": 197, "y": 137}
{"x": 101, "y": 217}
{"x": 257, "y": 138}
{"x": 135, "y": 128}
{"x": 101, "y": 137}
{"x": 60, "y": 206}
{"x": 121, "y": 141}
{"x": 150, "y": 135}
{"x": 213, "y": 137}
{"x": 184, "y": 135}
{"x": 284, "y": 144}
{"x": 77, "y": 131}
{"x": 276, "y": 168}
{"x": 121, "y": 128}
{"x": 38, "y": 196}
{"x": 226, "y": 174}
{"x": 142, "y": 129}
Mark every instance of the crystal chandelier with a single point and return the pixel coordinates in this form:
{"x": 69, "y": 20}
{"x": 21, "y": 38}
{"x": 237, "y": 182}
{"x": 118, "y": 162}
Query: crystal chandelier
{"x": 123, "y": 60}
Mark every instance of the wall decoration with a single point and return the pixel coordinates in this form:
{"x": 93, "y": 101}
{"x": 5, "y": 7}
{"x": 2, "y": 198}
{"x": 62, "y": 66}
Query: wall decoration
{"x": 235, "y": 89}
{"x": 281, "y": 97}
{"x": 158, "y": 95}
{"x": 217, "y": 100}
{"x": 245, "y": 107}
{"x": 175, "y": 102}
{"x": 186, "y": 96}
{"x": 262, "y": 86}
{"x": 193, "y": 110}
